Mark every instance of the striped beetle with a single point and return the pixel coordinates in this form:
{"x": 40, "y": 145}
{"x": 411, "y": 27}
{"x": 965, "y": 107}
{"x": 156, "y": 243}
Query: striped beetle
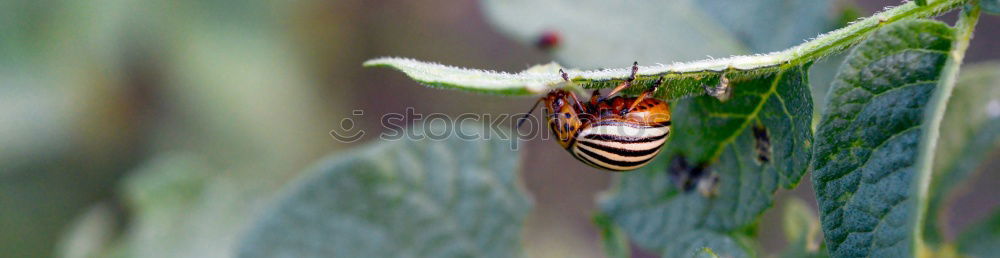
{"x": 616, "y": 133}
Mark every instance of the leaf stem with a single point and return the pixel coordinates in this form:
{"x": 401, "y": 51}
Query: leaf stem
{"x": 681, "y": 79}
{"x": 934, "y": 113}
{"x": 826, "y": 44}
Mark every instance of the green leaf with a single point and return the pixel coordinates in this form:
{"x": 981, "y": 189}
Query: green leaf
{"x": 964, "y": 26}
{"x": 970, "y": 131}
{"x": 990, "y": 6}
{"x": 680, "y": 79}
{"x": 867, "y": 169}
{"x": 778, "y": 107}
{"x": 701, "y": 243}
{"x": 706, "y": 253}
{"x": 418, "y": 198}
{"x": 754, "y": 142}
{"x": 180, "y": 206}
{"x": 982, "y": 239}
{"x": 802, "y": 231}
{"x": 89, "y": 234}
{"x": 654, "y": 212}
{"x": 613, "y": 239}
{"x": 529, "y": 81}
{"x": 800, "y": 223}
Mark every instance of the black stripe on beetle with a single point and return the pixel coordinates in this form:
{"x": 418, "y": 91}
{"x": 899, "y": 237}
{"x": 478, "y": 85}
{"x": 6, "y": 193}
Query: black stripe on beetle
{"x": 623, "y": 139}
{"x": 613, "y": 133}
{"x": 609, "y": 161}
{"x": 620, "y": 151}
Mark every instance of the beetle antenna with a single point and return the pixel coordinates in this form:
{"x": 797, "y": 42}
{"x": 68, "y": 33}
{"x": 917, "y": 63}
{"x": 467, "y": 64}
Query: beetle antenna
{"x": 525, "y": 117}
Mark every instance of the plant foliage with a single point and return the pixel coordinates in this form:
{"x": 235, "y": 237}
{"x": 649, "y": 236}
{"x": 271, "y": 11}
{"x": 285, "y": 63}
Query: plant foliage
{"x": 426, "y": 198}
{"x": 876, "y": 158}
{"x": 880, "y": 171}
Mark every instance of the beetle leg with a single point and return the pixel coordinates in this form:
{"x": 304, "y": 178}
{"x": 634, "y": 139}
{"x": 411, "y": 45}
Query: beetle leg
{"x": 637, "y": 101}
{"x": 525, "y": 117}
{"x": 577, "y": 101}
{"x": 595, "y": 97}
{"x": 642, "y": 96}
{"x": 628, "y": 82}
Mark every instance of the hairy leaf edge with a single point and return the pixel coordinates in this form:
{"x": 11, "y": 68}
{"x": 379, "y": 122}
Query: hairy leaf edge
{"x": 750, "y": 66}
{"x": 935, "y": 113}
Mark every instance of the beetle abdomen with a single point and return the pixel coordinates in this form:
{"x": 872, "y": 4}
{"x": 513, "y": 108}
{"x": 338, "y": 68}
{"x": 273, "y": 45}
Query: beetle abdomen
{"x": 619, "y": 145}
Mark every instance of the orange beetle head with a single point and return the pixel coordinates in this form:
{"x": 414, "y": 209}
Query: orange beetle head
{"x": 563, "y": 116}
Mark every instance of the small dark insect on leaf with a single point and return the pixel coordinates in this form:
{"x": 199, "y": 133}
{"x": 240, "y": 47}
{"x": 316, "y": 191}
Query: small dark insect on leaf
{"x": 548, "y": 40}
{"x": 763, "y": 143}
{"x": 709, "y": 185}
{"x": 722, "y": 91}
{"x": 686, "y": 176}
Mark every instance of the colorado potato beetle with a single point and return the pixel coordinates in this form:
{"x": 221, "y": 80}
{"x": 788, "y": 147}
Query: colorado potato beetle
{"x": 612, "y": 133}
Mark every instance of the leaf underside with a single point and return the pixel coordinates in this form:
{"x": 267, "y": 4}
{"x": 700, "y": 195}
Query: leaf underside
{"x": 414, "y": 198}
{"x": 867, "y": 142}
{"x": 779, "y": 105}
{"x": 679, "y": 80}
{"x": 655, "y": 212}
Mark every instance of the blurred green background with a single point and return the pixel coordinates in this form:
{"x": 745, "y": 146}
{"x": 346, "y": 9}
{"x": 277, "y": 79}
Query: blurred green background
{"x": 159, "y": 127}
